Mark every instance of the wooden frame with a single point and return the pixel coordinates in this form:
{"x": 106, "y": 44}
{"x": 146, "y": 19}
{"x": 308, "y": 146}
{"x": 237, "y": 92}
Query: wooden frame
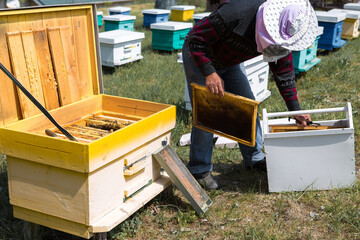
{"x": 231, "y": 116}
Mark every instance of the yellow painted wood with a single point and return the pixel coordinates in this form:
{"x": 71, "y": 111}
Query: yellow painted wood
{"x": 47, "y": 75}
{"x": 60, "y": 68}
{"x": 8, "y": 99}
{"x": 51, "y": 190}
{"x": 80, "y": 21}
{"x": 32, "y": 66}
{"x": 74, "y": 228}
{"x": 19, "y": 67}
{"x": 350, "y": 28}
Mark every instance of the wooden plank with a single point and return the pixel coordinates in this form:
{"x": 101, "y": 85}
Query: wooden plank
{"x": 49, "y": 19}
{"x": 183, "y": 179}
{"x": 289, "y": 128}
{"x": 60, "y": 224}
{"x": 58, "y": 59}
{"x": 34, "y": 22}
{"x": 80, "y": 29}
{"x": 32, "y": 66}
{"x": 19, "y": 67}
{"x": 71, "y": 63}
{"x": 9, "y": 106}
{"x": 51, "y": 190}
{"x": 47, "y": 75}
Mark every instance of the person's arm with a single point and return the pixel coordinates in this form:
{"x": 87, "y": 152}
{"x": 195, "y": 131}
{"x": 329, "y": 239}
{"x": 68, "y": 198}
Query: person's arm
{"x": 199, "y": 38}
{"x": 283, "y": 71}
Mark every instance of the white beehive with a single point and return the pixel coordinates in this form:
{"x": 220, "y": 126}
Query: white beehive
{"x": 323, "y": 16}
{"x": 257, "y": 72}
{"x": 120, "y": 46}
{"x": 352, "y": 6}
{"x": 309, "y": 159}
{"x": 119, "y": 10}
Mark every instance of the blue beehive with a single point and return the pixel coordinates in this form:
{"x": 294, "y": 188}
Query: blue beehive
{"x": 119, "y": 22}
{"x": 305, "y": 59}
{"x": 332, "y": 23}
{"x": 119, "y": 10}
{"x": 198, "y": 16}
{"x": 99, "y": 15}
{"x": 155, "y": 16}
{"x": 169, "y": 36}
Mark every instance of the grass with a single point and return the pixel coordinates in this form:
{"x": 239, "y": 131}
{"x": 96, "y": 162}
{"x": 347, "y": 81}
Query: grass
{"x": 243, "y": 208}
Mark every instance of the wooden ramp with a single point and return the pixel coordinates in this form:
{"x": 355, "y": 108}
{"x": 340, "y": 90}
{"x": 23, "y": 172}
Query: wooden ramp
{"x": 183, "y": 179}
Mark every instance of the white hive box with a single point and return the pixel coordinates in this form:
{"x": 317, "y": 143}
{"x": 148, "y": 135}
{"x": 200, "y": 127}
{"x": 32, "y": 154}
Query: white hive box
{"x": 119, "y": 10}
{"x": 120, "y": 46}
{"x": 323, "y": 16}
{"x": 352, "y": 6}
{"x": 186, "y": 92}
{"x": 257, "y": 72}
{"x": 311, "y": 159}
{"x": 197, "y": 17}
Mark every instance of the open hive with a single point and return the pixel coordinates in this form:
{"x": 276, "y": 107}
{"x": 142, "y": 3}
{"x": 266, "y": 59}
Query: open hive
{"x": 90, "y": 185}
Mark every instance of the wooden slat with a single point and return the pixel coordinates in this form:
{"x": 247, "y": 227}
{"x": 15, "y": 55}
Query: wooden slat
{"x": 71, "y": 64}
{"x": 34, "y": 21}
{"x": 289, "y": 128}
{"x": 8, "y": 96}
{"x": 58, "y": 59}
{"x": 47, "y": 75}
{"x": 82, "y": 52}
{"x": 32, "y": 66}
{"x": 18, "y": 63}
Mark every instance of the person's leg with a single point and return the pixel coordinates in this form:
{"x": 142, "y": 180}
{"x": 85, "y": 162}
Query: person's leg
{"x": 201, "y": 141}
{"x": 235, "y": 81}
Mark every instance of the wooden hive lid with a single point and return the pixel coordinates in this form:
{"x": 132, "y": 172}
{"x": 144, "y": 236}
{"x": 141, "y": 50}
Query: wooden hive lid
{"x": 53, "y": 52}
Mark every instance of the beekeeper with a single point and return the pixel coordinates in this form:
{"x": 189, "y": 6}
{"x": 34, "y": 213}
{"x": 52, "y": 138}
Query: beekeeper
{"x": 236, "y": 31}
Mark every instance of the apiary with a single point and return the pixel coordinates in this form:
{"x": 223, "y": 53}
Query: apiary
{"x": 99, "y": 18}
{"x": 119, "y": 47}
{"x": 155, "y": 16}
{"x": 92, "y": 184}
{"x": 182, "y": 13}
{"x": 169, "y": 36}
{"x": 198, "y": 16}
{"x": 306, "y": 59}
{"x": 332, "y": 23}
{"x": 121, "y": 22}
{"x": 350, "y": 27}
{"x": 119, "y": 10}
{"x": 257, "y": 72}
{"x": 321, "y": 157}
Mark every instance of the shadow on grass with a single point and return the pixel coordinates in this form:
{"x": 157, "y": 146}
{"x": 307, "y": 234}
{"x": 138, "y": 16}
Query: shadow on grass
{"x": 235, "y": 178}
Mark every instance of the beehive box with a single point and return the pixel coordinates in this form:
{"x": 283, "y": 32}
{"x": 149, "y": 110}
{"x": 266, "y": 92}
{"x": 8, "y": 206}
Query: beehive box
{"x": 257, "y": 72}
{"x": 118, "y": 47}
{"x": 182, "y": 13}
{"x": 306, "y": 59}
{"x": 155, "y": 16}
{"x": 122, "y": 22}
{"x": 332, "y": 23}
{"x": 352, "y": 6}
{"x": 99, "y": 18}
{"x": 169, "y": 36}
{"x": 86, "y": 186}
{"x": 318, "y": 158}
{"x": 197, "y": 17}
{"x": 119, "y": 10}
{"x": 350, "y": 28}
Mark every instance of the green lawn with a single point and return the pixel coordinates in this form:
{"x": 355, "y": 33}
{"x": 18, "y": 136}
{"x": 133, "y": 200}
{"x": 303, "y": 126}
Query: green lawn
{"x": 243, "y": 208}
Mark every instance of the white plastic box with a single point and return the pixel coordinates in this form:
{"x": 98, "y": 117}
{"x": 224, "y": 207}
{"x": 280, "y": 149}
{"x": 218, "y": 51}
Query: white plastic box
{"x": 257, "y": 72}
{"x": 118, "y": 47}
{"x": 352, "y": 6}
{"x": 119, "y": 10}
{"x": 311, "y": 159}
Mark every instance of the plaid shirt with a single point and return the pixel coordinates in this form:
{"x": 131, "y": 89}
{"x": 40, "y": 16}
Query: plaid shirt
{"x": 210, "y": 52}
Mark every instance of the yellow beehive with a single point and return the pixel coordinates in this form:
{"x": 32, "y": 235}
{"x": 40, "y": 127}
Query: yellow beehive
{"x": 80, "y": 187}
{"x": 182, "y": 13}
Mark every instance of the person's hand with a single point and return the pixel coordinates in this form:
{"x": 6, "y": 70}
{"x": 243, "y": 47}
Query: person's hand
{"x": 302, "y": 119}
{"x": 215, "y": 84}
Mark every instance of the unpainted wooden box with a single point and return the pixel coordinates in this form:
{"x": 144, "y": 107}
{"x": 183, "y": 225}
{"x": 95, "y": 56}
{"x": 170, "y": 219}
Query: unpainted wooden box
{"x": 81, "y": 187}
{"x": 321, "y": 157}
